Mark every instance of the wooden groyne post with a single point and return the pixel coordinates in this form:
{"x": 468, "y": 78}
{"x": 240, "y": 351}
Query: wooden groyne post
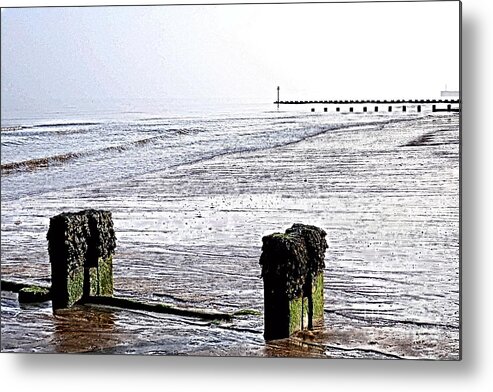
{"x": 292, "y": 271}
{"x": 81, "y": 246}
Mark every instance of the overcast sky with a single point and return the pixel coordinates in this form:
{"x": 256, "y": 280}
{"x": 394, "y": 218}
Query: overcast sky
{"x": 313, "y": 51}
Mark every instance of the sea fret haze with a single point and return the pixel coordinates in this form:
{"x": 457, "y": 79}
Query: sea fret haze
{"x": 65, "y": 56}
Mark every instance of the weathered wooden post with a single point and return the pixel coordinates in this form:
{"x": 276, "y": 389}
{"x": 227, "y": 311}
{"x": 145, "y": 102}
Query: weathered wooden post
{"x": 292, "y": 270}
{"x": 81, "y": 247}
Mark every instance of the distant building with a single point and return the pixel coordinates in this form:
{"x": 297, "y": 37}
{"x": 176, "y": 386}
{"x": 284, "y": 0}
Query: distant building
{"x": 450, "y": 94}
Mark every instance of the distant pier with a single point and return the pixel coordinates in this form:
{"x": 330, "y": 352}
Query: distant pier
{"x": 371, "y": 101}
{"x": 389, "y": 102}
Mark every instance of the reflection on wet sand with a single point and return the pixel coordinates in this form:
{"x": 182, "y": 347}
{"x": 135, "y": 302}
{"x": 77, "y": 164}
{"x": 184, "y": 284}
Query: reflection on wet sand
{"x": 366, "y": 342}
{"x": 85, "y": 329}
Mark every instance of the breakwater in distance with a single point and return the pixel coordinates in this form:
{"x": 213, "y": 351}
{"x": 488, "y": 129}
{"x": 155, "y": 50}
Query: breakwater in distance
{"x": 376, "y": 101}
{"x": 190, "y": 208}
{"x": 364, "y": 106}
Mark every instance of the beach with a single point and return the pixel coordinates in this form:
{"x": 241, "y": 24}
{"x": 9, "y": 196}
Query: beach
{"x": 190, "y": 209}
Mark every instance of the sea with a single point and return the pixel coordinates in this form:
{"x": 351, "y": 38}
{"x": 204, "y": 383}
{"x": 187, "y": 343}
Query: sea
{"x": 194, "y": 187}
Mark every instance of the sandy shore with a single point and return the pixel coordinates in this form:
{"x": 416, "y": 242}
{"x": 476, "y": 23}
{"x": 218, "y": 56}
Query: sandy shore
{"x": 192, "y": 236}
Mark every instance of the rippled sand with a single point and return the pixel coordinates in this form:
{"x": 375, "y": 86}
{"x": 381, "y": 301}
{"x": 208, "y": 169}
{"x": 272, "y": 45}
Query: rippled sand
{"x": 387, "y": 195}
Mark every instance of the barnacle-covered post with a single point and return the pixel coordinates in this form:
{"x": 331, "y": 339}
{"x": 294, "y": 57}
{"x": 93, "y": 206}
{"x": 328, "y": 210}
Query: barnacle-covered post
{"x": 81, "y": 247}
{"x": 292, "y": 270}
{"x": 67, "y": 247}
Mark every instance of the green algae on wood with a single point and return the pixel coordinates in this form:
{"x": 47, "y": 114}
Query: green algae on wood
{"x": 99, "y": 279}
{"x": 298, "y": 314}
{"x": 15, "y": 287}
{"x": 32, "y": 294}
{"x": 247, "y": 312}
{"x": 105, "y": 276}
{"x": 28, "y": 292}
{"x": 158, "y": 308}
{"x": 316, "y": 302}
{"x": 72, "y": 292}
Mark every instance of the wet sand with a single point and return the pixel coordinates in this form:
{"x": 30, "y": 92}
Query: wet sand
{"x": 387, "y": 196}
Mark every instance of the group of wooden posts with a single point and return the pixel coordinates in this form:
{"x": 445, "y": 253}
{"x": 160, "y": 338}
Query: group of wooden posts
{"x": 434, "y": 108}
{"x": 81, "y": 247}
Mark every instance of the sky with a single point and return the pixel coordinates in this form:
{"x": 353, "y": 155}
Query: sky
{"x": 237, "y": 52}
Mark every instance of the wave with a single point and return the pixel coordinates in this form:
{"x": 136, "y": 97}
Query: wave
{"x": 40, "y": 163}
{"x": 47, "y": 125}
{"x": 438, "y": 137}
{"x": 45, "y": 162}
{"x": 33, "y": 164}
{"x": 15, "y": 128}
{"x": 57, "y": 125}
{"x": 321, "y": 131}
{"x": 6, "y": 143}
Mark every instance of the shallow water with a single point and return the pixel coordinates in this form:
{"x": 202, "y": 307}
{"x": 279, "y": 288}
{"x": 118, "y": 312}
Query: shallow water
{"x": 191, "y": 198}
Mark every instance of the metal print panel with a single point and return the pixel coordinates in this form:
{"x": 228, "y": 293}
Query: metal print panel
{"x": 264, "y": 180}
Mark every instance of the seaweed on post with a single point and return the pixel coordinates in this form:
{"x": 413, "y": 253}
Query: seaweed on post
{"x": 292, "y": 270}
